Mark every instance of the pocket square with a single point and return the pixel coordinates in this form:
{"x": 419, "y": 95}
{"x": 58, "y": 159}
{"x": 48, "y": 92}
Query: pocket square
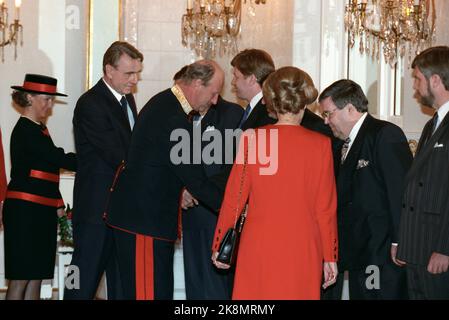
{"x": 210, "y": 128}
{"x": 438, "y": 145}
{"x": 362, "y": 164}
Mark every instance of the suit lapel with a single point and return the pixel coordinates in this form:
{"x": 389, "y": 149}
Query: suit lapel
{"x": 349, "y": 166}
{"x": 114, "y": 105}
{"x": 425, "y": 150}
{"x": 353, "y": 154}
{"x": 253, "y": 116}
{"x": 209, "y": 119}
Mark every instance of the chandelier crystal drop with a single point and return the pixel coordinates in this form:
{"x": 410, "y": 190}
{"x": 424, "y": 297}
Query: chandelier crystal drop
{"x": 213, "y": 26}
{"x": 391, "y": 27}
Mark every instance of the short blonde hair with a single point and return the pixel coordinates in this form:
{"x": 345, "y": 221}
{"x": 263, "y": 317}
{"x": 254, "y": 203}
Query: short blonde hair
{"x": 288, "y": 90}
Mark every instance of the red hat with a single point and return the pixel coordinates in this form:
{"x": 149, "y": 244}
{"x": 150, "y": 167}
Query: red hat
{"x": 36, "y": 83}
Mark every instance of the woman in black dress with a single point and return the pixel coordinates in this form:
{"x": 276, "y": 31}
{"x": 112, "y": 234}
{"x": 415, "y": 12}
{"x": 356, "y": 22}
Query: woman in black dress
{"x": 33, "y": 200}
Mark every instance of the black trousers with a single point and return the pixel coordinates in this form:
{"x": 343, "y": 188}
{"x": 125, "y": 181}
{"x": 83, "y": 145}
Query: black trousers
{"x": 391, "y": 285}
{"x": 423, "y": 285}
{"x": 203, "y": 281}
{"x": 145, "y": 266}
{"x": 93, "y": 255}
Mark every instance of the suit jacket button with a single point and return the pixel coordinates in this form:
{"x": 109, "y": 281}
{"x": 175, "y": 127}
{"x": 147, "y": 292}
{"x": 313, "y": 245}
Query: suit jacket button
{"x": 403, "y": 206}
{"x": 411, "y": 209}
{"x": 421, "y": 184}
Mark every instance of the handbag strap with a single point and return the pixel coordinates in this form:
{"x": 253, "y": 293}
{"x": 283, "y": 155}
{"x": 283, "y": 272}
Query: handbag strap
{"x": 237, "y": 211}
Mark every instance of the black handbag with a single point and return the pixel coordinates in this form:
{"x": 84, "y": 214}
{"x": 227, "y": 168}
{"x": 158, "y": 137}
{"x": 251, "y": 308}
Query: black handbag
{"x": 230, "y": 242}
{"x": 227, "y": 250}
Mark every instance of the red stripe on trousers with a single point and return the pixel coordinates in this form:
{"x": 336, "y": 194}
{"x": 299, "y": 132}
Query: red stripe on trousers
{"x": 144, "y": 268}
{"x": 180, "y": 215}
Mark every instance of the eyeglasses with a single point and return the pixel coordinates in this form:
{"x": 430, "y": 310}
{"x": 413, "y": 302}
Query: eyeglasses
{"x": 327, "y": 114}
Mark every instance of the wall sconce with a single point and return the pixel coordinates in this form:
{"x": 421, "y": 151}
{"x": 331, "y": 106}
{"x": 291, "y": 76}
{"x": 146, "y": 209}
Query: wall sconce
{"x": 10, "y": 33}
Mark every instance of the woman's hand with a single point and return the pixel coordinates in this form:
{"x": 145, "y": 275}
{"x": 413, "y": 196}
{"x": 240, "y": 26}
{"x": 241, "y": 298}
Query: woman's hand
{"x": 60, "y": 212}
{"x": 219, "y": 264}
{"x": 330, "y": 271}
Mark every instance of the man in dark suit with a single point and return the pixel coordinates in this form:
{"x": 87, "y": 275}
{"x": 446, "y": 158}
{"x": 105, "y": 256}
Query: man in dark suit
{"x": 202, "y": 280}
{"x": 143, "y": 208}
{"x": 250, "y": 69}
{"x": 374, "y": 160}
{"x": 424, "y": 228}
{"x": 103, "y": 121}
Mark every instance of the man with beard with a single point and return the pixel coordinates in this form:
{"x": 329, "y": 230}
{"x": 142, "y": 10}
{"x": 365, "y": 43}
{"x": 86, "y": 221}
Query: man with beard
{"x": 424, "y": 228}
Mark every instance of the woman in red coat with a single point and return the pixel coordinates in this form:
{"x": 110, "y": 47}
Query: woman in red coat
{"x": 2, "y": 181}
{"x": 290, "y": 234}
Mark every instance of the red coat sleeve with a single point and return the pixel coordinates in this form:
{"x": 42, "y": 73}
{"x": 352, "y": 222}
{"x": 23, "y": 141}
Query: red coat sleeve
{"x": 236, "y": 193}
{"x": 326, "y": 206}
{"x": 3, "y": 184}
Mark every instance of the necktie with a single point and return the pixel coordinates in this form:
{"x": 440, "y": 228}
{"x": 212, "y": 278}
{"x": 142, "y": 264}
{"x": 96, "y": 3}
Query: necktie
{"x": 344, "y": 150}
{"x": 192, "y": 114}
{"x": 124, "y": 104}
{"x": 245, "y": 116}
{"x": 435, "y": 122}
{"x": 427, "y": 135}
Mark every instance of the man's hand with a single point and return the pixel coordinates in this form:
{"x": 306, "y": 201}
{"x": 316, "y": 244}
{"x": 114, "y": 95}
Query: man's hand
{"x": 394, "y": 252}
{"x": 188, "y": 201}
{"x": 438, "y": 263}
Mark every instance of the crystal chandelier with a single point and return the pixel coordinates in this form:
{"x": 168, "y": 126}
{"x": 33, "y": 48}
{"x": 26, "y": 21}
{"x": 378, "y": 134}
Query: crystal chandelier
{"x": 212, "y": 26}
{"x": 394, "y": 27}
{"x": 10, "y": 33}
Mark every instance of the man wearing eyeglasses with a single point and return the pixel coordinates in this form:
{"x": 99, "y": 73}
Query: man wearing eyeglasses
{"x": 374, "y": 159}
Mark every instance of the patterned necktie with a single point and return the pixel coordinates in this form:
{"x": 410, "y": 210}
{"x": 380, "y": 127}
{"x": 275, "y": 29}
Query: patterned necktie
{"x": 245, "y": 116}
{"x": 344, "y": 150}
{"x": 124, "y": 104}
{"x": 191, "y": 115}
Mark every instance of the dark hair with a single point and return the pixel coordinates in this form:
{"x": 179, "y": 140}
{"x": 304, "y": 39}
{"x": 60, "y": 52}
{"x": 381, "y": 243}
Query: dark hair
{"x": 178, "y": 75}
{"x": 288, "y": 89}
{"x": 20, "y": 98}
{"x": 203, "y": 70}
{"x": 254, "y": 61}
{"x": 343, "y": 92}
{"x": 434, "y": 60}
{"x": 116, "y": 50}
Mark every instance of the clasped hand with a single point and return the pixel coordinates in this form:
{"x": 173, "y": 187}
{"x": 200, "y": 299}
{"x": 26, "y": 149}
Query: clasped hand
{"x": 188, "y": 201}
